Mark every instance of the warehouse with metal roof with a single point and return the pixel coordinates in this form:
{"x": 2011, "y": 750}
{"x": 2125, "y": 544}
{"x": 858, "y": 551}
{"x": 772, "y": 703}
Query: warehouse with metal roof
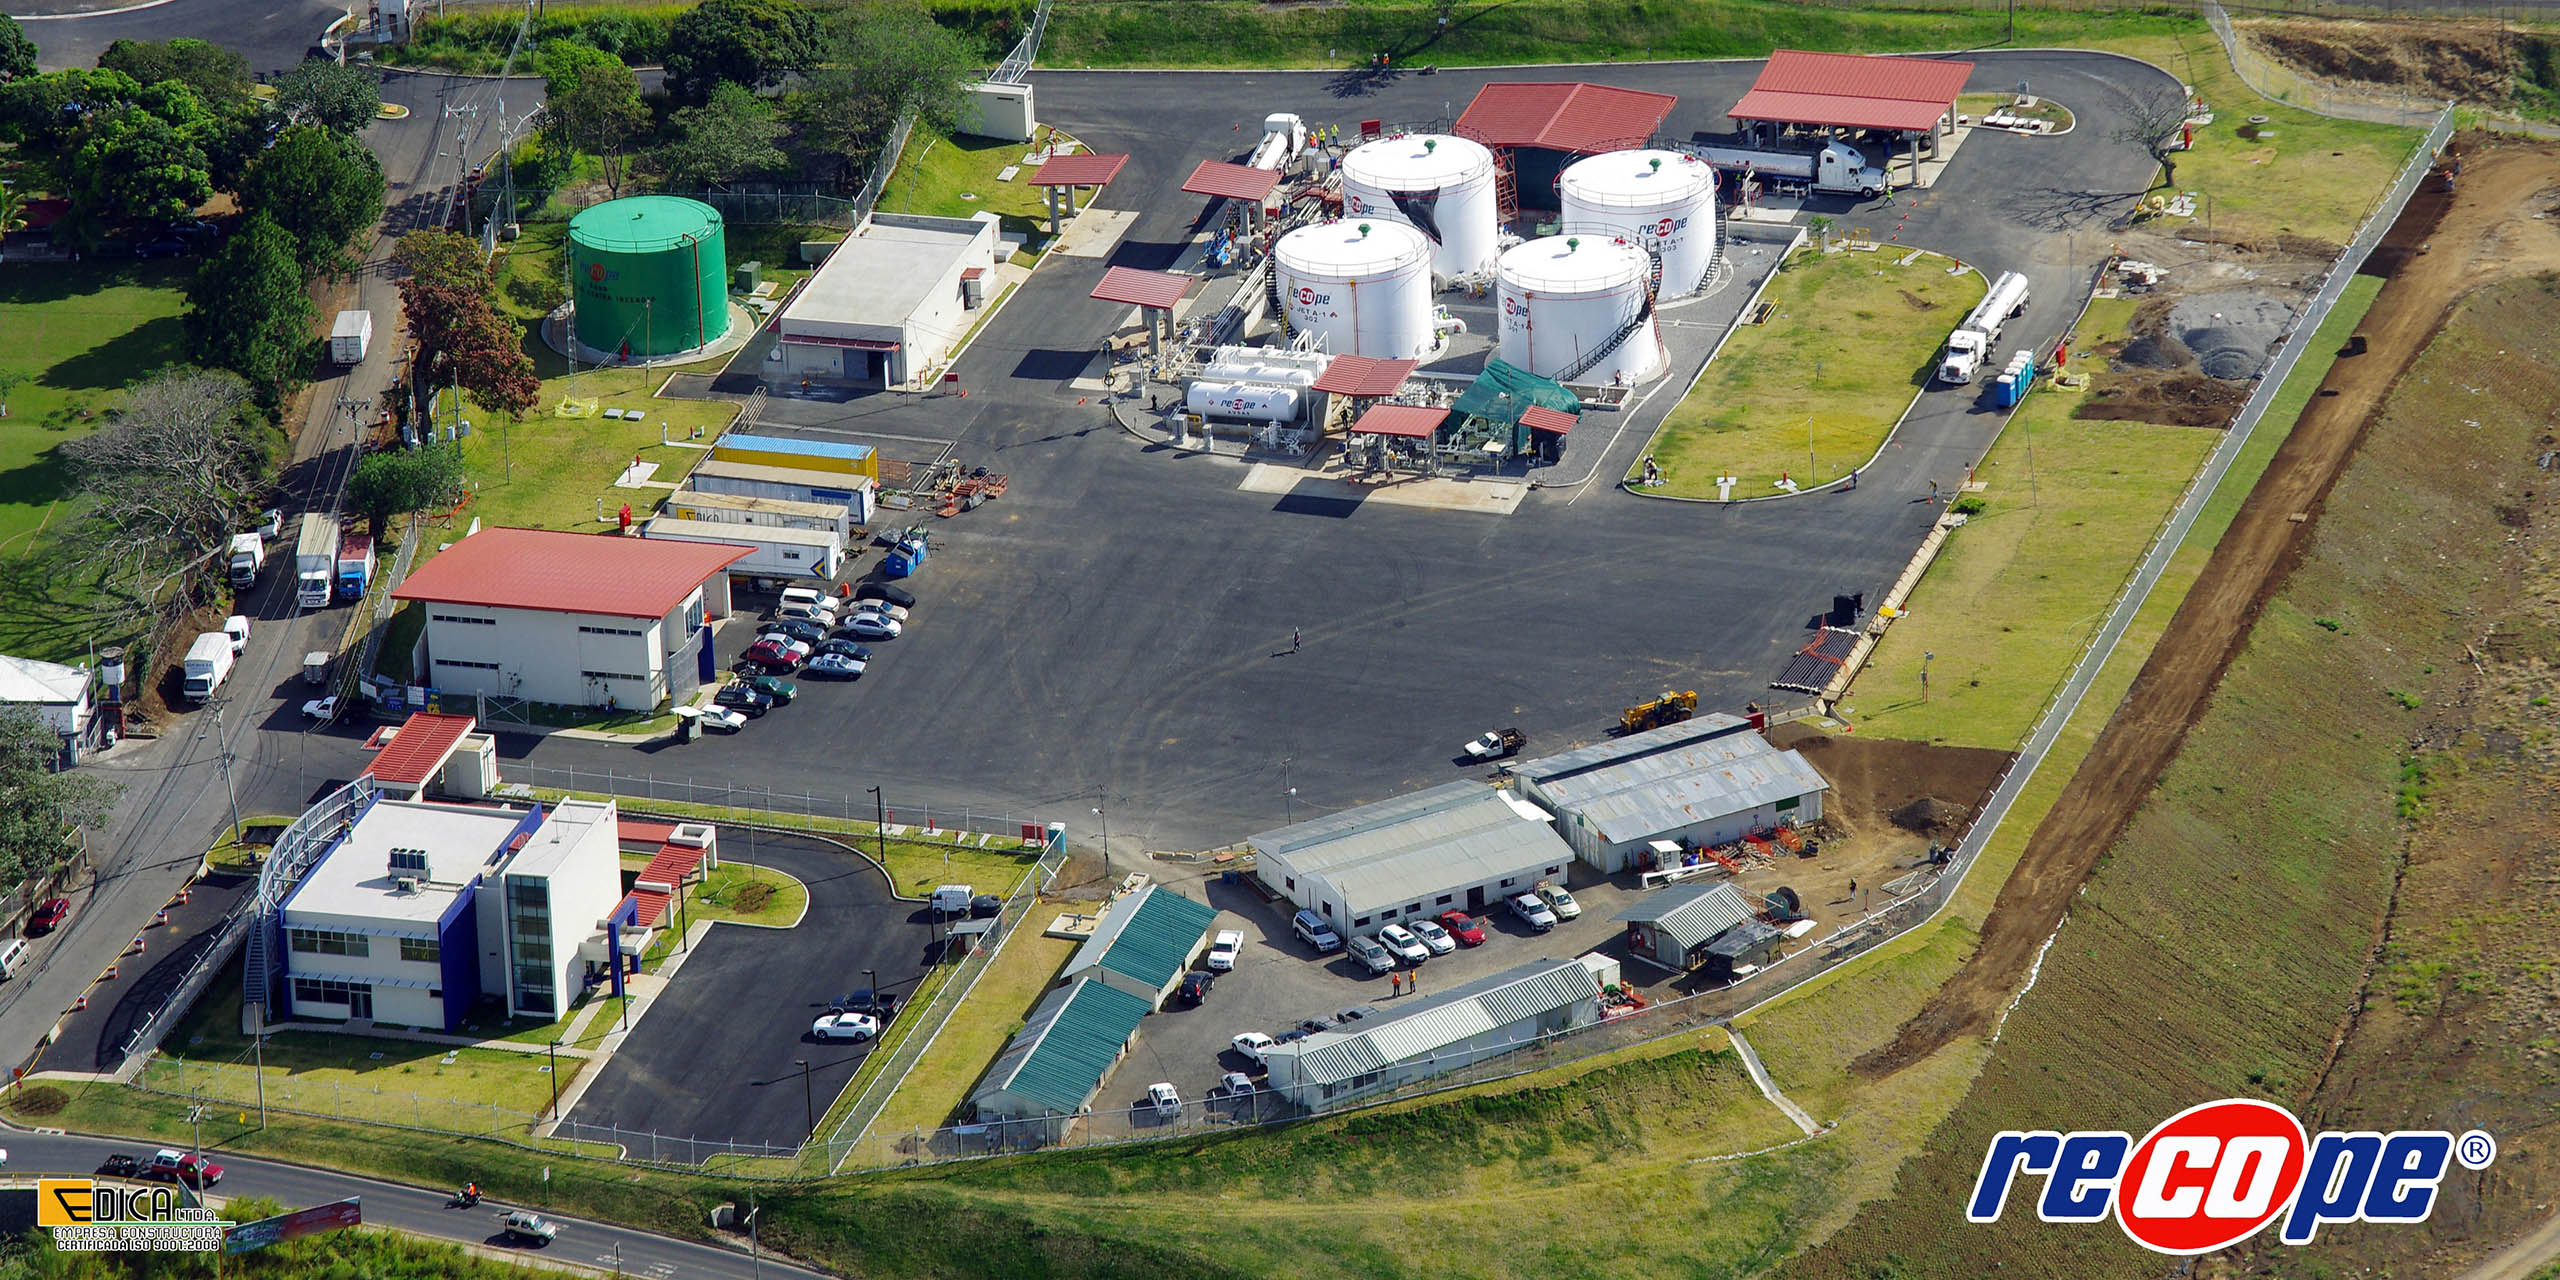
{"x": 1706, "y": 781}
{"x": 1425, "y": 1037}
{"x": 1672, "y": 927}
{"x": 1461, "y": 845}
{"x": 1144, "y": 943}
{"x": 1050, "y": 1070}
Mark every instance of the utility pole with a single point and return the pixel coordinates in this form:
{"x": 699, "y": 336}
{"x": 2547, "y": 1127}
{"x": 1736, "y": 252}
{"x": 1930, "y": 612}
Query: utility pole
{"x": 808, "y": 1095}
{"x": 880, "y": 824}
{"x": 260, "y": 1044}
{"x": 553, "y": 1051}
{"x": 1099, "y": 801}
{"x": 222, "y": 756}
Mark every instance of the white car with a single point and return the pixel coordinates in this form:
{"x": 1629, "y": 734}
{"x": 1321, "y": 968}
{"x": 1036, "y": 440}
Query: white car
{"x": 321, "y": 708}
{"x": 1400, "y": 942}
{"x": 1236, "y": 1084}
{"x": 871, "y": 626}
{"x": 1254, "y": 1044}
{"x": 845, "y": 1026}
{"x": 1532, "y": 910}
{"x": 1223, "y": 948}
{"x": 1559, "y": 901}
{"x": 723, "y": 719}
{"x": 1433, "y": 936}
{"x": 883, "y": 608}
{"x": 1167, "y": 1103}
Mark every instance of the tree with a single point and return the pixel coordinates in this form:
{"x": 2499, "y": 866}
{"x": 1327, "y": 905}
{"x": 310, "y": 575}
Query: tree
{"x": 41, "y": 811}
{"x": 561, "y": 59}
{"x": 598, "y": 110}
{"x": 321, "y": 186}
{"x": 165, "y": 485}
{"x": 249, "y": 313}
{"x": 728, "y": 138}
{"x": 388, "y": 483}
{"x": 2155, "y": 120}
{"x": 215, "y": 73}
{"x": 754, "y": 43}
{"x": 324, "y": 93}
{"x": 17, "y": 51}
{"x": 881, "y": 62}
{"x": 134, "y": 165}
{"x": 461, "y": 339}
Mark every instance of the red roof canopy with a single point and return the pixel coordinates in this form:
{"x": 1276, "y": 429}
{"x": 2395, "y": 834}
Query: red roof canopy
{"x": 1853, "y": 91}
{"x": 1156, "y": 289}
{"x": 568, "y": 572}
{"x": 672, "y": 865}
{"x": 1234, "y": 181}
{"x": 1538, "y": 417}
{"x": 419, "y": 749}
{"x": 1410, "y": 420}
{"x": 1083, "y": 169}
{"x": 1365, "y": 376}
{"x": 1569, "y": 116}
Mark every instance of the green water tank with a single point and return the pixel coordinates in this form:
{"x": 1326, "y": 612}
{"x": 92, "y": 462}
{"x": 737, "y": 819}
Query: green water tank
{"x": 649, "y": 275}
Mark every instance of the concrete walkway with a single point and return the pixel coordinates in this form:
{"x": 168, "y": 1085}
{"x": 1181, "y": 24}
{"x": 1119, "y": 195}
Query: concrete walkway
{"x": 1769, "y": 1088}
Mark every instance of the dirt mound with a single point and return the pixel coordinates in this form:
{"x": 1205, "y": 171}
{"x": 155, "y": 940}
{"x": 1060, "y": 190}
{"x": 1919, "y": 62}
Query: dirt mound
{"x": 2233, "y": 333}
{"x": 1873, "y": 780}
{"x": 2176, "y": 399}
{"x": 1929, "y": 816}
{"x": 2475, "y": 62}
{"x": 2155, "y": 351}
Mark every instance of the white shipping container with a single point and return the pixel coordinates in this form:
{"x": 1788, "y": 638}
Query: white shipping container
{"x": 351, "y": 336}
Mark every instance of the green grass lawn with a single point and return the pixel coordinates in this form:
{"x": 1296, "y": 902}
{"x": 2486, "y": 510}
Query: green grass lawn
{"x": 1814, "y": 391}
{"x": 934, "y": 1089}
{"x": 77, "y": 334}
{"x": 955, "y": 177}
{"x": 552, "y": 471}
{"x": 916, "y": 864}
{"x": 744, "y": 893}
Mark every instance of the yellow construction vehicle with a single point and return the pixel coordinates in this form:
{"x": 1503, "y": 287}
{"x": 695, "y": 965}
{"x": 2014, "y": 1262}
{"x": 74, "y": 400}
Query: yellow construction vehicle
{"x": 1670, "y": 708}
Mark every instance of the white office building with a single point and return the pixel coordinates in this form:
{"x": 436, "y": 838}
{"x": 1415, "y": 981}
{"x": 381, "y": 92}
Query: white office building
{"x": 1462, "y": 845}
{"x": 890, "y": 304}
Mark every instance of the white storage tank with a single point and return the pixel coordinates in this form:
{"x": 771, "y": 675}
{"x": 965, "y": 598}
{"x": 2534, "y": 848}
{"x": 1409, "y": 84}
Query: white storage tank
{"x": 1364, "y": 284}
{"x": 1563, "y": 297}
{"x": 1663, "y": 200}
{"x": 1446, "y": 185}
{"x": 1251, "y": 401}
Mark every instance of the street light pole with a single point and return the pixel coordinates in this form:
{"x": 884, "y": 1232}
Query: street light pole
{"x": 1099, "y": 801}
{"x": 808, "y": 1095}
{"x": 222, "y": 756}
{"x": 880, "y": 824}
{"x": 554, "y": 1052}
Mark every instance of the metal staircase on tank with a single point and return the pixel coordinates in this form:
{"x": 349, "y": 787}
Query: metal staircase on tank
{"x": 1279, "y": 304}
{"x": 1506, "y": 186}
{"x": 1644, "y": 312}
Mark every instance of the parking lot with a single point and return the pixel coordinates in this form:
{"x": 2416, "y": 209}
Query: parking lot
{"x": 714, "y": 1055}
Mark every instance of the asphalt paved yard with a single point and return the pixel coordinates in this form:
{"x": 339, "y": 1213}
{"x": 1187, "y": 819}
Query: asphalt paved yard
{"x": 712, "y": 1056}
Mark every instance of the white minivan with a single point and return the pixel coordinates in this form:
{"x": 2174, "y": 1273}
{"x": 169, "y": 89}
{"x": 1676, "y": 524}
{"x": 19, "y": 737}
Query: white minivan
{"x": 807, "y": 602}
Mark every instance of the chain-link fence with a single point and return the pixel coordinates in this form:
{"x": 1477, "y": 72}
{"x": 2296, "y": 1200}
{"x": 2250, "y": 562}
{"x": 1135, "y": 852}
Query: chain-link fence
{"x": 906, "y": 821}
{"x": 2279, "y": 83}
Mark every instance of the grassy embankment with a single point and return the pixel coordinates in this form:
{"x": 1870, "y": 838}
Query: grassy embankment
{"x": 76, "y": 333}
{"x": 1814, "y": 390}
{"x": 935, "y": 1087}
{"x": 955, "y": 177}
{"x": 2223, "y": 940}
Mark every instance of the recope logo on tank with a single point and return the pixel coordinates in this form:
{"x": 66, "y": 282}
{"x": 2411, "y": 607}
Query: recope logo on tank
{"x": 1515, "y": 312}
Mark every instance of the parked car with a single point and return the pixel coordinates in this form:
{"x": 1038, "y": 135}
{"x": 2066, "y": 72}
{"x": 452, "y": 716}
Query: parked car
{"x": 1400, "y": 942}
{"x": 1367, "y": 953}
{"x": 770, "y": 655}
{"x": 1234, "y": 1084}
{"x": 1310, "y": 1026}
{"x": 845, "y": 1026}
{"x": 1312, "y": 930}
{"x": 528, "y": 1226}
{"x": 1532, "y": 911}
{"x": 743, "y": 697}
{"x": 775, "y": 687}
{"x": 871, "y": 626}
{"x": 1463, "y": 927}
{"x": 159, "y": 246}
{"x": 1195, "y": 987}
{"x": 796, "y": 648}
{"x": 321, "y": 708}
{"x": 171, "y": 1165}
{"x": 1354, "y": 1014}
{"x": 886, "y": 591}
{"x": 879, "y": 1004}
{"x": 120, "y": 1165}
{"x": 723, "y": 719}
{"x": 1223, "y": 948}
{"x": 1559, "y": 901}
{"x": 883, "y": 608}
{"x": 1433, "y": 936}
{"x": 804, "y": 631}
{"x": 1167, "y": 1102}
{"x": 1294, "y": 1035}
{"x": 195, "y": 230}
{"x": 836, "y": 666}
{"x": 844, "y": 647}
{"x": 986, "y": 906}
{"x": 50, "y": 916}
{"x": 1253, "y": 1044}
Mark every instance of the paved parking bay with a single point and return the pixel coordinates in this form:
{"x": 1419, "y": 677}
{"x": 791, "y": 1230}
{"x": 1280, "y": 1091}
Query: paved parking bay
{"x": 712, "y": 1056}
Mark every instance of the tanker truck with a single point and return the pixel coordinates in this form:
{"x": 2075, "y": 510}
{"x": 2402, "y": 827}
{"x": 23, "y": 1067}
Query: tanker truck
{"x": 1970, "y": 345}
{"x": 1837, "y": 168}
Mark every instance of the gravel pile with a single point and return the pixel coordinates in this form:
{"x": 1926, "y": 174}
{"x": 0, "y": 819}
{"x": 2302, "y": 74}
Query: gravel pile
{"x": 2233, "y": 334}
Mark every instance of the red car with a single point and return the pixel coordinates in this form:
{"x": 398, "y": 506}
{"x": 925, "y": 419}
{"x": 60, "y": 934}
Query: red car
{"x": 168, "y": 1165}
{"x": 50, "y": 916}
{"x": 769, "y": 656}
{"x": 1463, "y": 927}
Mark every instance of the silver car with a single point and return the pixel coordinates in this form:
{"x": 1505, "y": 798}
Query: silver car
{"x": 1533, "y": 911}
{"x": 1433, "y": 936}
{"x": 1366, "y": 951}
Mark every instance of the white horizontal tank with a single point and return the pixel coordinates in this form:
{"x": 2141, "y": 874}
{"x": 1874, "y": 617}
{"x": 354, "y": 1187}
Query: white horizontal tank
{"x": 1564, "y": 297}
{"x": 1663, "y": 200}
{"x": 1253, "y": 402}
{"x": 1363, "y": 284}
{"x": 1443, "y": 181}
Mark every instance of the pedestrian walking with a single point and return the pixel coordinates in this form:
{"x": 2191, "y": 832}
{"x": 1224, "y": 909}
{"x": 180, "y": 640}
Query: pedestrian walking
{"x": 1293, "y": 639}
{"x": 1853, "y": 888}
{"x": 1395, "y": 983}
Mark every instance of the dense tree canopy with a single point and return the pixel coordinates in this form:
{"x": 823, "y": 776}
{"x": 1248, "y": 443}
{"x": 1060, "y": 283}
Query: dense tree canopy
{"x": 461, "y": 339}
{"x": 731, "y": 137}
{"x": 597, "y": 110}
{"x": 41, "y": 811}
{"x": 389, "y": 483}
{"x": 248, "y": 311}
{"x": 755, "y": 43}
{"x": 321, "y": 186}
{"x": 325, "y": 93}
{"x": 218, "y": 75}
{"x": 879, "y": 62}
{"x": 17, "y": 51}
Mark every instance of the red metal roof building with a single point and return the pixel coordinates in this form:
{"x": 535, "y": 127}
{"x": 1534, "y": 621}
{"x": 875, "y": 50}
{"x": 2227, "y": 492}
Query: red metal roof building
{"x": 1365, "y": 377}
{"x": 1409, "y": 421}
{"x": 1851, "y": 91}
{"x": 568, "y": 572}
{"x": 1571, "y": 117}
{"x": 417, "y": 752}
{"x": 671, "y": 866}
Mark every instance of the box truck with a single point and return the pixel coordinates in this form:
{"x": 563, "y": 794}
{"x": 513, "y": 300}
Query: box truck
{"x": 208, "y": 664}
{"x": 248, "y": 555}
{"x": 1838, "y": 167}
{"x": 1971, "y": 343}
{"x": 355, "y": 566}
{"x": 351, "y": 337}
{"x": 316, "y": 560}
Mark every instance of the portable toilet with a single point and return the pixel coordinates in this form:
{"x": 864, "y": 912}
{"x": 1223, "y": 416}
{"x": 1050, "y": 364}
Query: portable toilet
{"x": 907, "y": 556}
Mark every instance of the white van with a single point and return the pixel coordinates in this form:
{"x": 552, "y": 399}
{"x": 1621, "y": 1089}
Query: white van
{"x": 237, "y": 627}
{"x": 951, "y": 899}
{"x": 13, "y": 956}
{"x": 806, "y": 602}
